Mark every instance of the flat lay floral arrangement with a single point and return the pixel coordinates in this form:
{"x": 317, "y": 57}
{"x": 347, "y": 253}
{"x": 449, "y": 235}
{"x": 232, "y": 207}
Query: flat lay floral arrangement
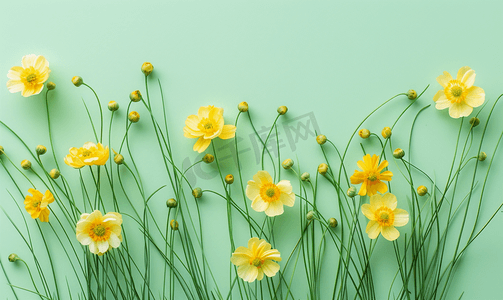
{"x": 91, "y": 204}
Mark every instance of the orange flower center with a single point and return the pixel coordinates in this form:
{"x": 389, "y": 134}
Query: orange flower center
{"x": 455, "y": 91}
{"x": 206, "y": 126}
{"x": 99, "y": 232}
{"x": 31, "y": 77}
{"x": 384, "y": 216}
{"x": 269, "y": 192}
{"x": 256, "y": 262}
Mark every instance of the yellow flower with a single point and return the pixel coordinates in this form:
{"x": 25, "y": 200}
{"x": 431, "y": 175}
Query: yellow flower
{"x": 256, "y": 260}
{"x": 29, "y": 79}
{"x": 459, "y": 95}
{"x": 267, "y": 196}
{"x": 207, "y": 125}
{"x": 88, "y": 155}
{"x": 384, "y": 216}
{"x": 100, "y": 232}
{"x": 36, "y": 205}
{"x": 371, "y": 175}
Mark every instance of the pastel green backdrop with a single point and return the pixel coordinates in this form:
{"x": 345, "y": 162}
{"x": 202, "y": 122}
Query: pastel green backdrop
{"x": 332, "y": 60}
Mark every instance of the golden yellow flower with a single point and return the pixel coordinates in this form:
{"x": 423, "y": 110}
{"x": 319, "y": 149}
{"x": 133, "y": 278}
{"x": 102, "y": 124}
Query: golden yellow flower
{"x": 384, "y": 216}
{"x": 370, "y": 177}
{"x": 36, "y": 205}
{"x": 459, "y": 95}
{"x": 29, "y": 79}
{"x": 207, "y": 125}
{"x": 100, "y": 232}
{"x": 88, "y": 155}
{"x": 267, "y": 196}
{"x": 256, "y": 260}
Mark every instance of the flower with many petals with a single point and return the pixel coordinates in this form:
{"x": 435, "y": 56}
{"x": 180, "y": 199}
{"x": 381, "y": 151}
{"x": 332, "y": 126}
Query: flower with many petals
{"x": 36, "y": 205}
{"x": 459, "y": 95}
{"x": 384, "y": 216}
{"x": 207, "y": 125}
{"x": 267, "y": 196}
{"x": 30, "y": 77}
{"x": 256, "y": 260}
{"x": 88, "y": 155}
{"x": 370, "y": 177}
{"x": 100, "y": 232}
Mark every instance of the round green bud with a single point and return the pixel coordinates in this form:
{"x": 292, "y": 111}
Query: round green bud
{"x": 243, "y": 106}
{"x": 332, "y": 222}
{"x": 1, "y": 150}
{"x": 364, "y": 133}
{"x": 197, "y": 192}
{"x": 54, "y": 173}
{"x": 171, "y": 203}
{"x": 398, "y": 153}
{"x": 118, "y": 159}
{"x": 323, "y": 168}
{"x": 321, "y": 139}
{"x": 287, "y": 163}
{"x": 26, "y": 164}
{"x": 482, "y": 156}
{"x": 147, "y": 68}
{"x": 77, "y": 81}
{"x": 310, "y": 215}
{"x": 51, "y": 85}
{"x": 41, "y": 150}
{"x": 134, "y": 116}
{"x": 351, "y": 192}
{"x": 411, "y": 94}
{"x": 113, "y": 106}
{"x": 208, "y": 158}
{"x": 386, "y": 132}
{"x": 422, "y": 190}
{"x": 173, "y": 224}
{"x": 282, "y": 110}
{"x": 305, "y": 176}
{"x": 474, "y": 121}
{"x": 13, "y": 257}
{"x": 135, "y": 96}
{"x": 229, "y": 179}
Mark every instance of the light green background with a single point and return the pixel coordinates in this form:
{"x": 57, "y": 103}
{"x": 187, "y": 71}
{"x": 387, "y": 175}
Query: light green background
{"x": 338, "y": 59}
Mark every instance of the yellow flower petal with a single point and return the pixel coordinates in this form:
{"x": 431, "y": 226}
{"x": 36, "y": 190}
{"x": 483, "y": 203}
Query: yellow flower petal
{"x": 367, "y": 211}
{"x": 390, "y": 233}
{"x": 275, "y": 208}
{"x": 401, "y": 217}
{"x": 259, "y": 205}
{"x": 228, "y": 131}
{"x": 444, "y": 79}
{"x": 373, "y": 229}
{"x": 256, "y": 260}
{"x": 270, "y": 268}
{"x": 475, "y": 97}
{"x": 201, "y": 144}
{"x": 468, "y": 78}
{"x": 389, "y": 200}
{"x": 457, "y": 110}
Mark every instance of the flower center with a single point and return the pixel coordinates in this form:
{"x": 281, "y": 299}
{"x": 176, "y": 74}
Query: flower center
{"x": 385, "y": 216}
{"x": 208, "y": 126}
{"x": 99, "y": 230}
{"x": 257, "y": 262}
{"x": 36, "y": 203}
{"x": 372, "y": 176}
{"x": 455, "y": 91}
{"x": 86, "y": 153}
{"x": 31, "y": 77}
{"x": 269, "y": 192}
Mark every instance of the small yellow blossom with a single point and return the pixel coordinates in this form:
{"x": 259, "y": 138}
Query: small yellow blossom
{"x": 459, "y": 95}
{"x": 267, "y": 196}
{"x": 88, "y": 155}
{"x": 36, "y": 205}
{"x": 207, "y": 125}
{"x": 371, "y": 175}
{"x": 384, "y": 216}
{"x": 100, "y": 232}
{"x": 256, "y": 260}
{"x": 29, "y": 79}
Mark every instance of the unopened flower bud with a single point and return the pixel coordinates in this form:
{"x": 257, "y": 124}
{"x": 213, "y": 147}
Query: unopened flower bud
{"x": 321, "y": 139}
{"x": 364, "y": 133}
{"x": 135, "y": 96}
{"x": 310, "y": 215}
{"x": 351, "y": 192}
{"x": 229, "y": 179}
{"x": 287, "y": 163}
{"x": 422, "y": 190}
{"x": 77, "y": 81}
{"x": 118, "y": 159}
{"x": 482, "y": 156}
{"x": 243, "y": 106}
{"x": 208, "y": 158}
{"x": 134, "y": 116}
{"x": 113, "y": 106}
{"x": 332, "y": 222}
{"x": 411, "y": 94}
{"x": 323, "y": 168}
{"x": 282, "y": 110}
{"x": 54, "y": 173}
{"x": 171, "y": 203}
{"x": 13, "y": 257}
{"x": 173, "y": 224}
{"x": 305, "y": 176}
{"x": 51, "y": 85}
{"x": 147, "y": 68}
{"x": 474, "y": 121}
{"x": 386, "y": 132}
{"x": 41, "y": 150}
{"x": 1, "y": 150}
{"x": 26, "y": 164}
{"x": 197, "y": 192}
{"x": 398, "y": 153}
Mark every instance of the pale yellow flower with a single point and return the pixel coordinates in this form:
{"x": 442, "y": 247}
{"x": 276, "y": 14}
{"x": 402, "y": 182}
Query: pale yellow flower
{"x": 384, "y": 216}
{"x": 370, "y": 177}
{"x": 88, "y": 155}
{"x": 459, "y": 95}
{"x": 29, "y": 79}
{"x": 100, "y": 232}
{"x": 207, "y": 125}
{"x": 267, "y": 196}
{"x": 256, "y": 260}
{"x": 36, "y": 205}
